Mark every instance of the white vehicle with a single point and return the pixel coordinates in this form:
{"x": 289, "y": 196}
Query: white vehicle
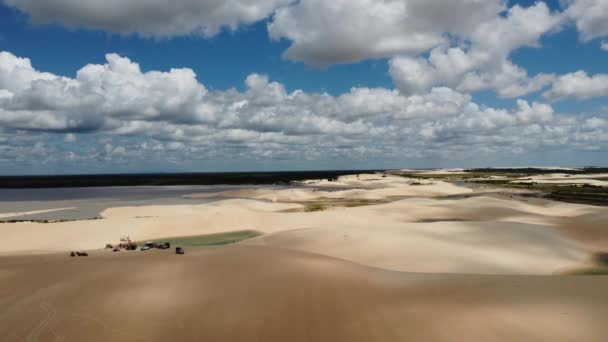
{"x": 145, "y": 248}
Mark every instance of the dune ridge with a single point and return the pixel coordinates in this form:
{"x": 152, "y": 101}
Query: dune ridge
{"x": 483, "y": 234}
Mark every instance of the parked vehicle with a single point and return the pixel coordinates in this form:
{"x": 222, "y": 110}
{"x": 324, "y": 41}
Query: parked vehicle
{"x": 145, "y": 248}
{"x": 131, "y": 247}
{"x": 179, "y": 250}
{"x": 165, "y": 245}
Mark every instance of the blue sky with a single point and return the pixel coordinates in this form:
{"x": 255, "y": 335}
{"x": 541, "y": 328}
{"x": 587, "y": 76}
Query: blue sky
{"x": 401, "y": 121}
{"x": 219, "y": 62}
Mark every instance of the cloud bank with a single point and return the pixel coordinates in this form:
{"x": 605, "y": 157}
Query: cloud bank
{"x": 344, "y": 31}
{"x": 171, "y": 114}
{"x": 483, "y": 63}
{"x": 462, "y": 44}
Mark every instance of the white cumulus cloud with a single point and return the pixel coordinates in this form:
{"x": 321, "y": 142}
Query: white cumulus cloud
{"x": 590, "y": 16}
{"x": 578, "y": 85}
{"x": 483, "y": 63}
{"x": 136, "y": 116}
{"x": 344, "y": 31}
{"x": 159, "y": 18}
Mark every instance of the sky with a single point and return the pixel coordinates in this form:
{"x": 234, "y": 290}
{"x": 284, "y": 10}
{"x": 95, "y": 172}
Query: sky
{"x": 113, "y": 86}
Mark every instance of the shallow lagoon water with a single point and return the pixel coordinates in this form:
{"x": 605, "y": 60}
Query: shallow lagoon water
{"x": 88, "y": 203}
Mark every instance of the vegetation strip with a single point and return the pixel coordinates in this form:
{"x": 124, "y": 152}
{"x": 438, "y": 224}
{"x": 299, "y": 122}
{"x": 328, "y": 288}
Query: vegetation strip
{"x": 573, "y": 193}
{"x": 48, "y": 221}
{"x": 211, "y": 239}
{"x": 600, "y": 268}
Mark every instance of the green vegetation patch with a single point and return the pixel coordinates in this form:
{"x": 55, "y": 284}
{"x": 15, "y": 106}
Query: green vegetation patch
{"x": 573, "y": 193}
{"x": 211, "y": 239}
{"x": 48, "y": 221}
{"x": 600, "y": 268}
{"x": 462, "y": 176}
{"x": 317, "y": 206}
{"x": 591, "y": 271}
{"x": 601, "y": 259}
{"x": 323, "y": 204}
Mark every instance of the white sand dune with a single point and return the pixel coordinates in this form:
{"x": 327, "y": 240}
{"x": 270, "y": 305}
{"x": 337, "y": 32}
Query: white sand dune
{"x": 568, "y": 176}
{"x": 435, "y": 171}
{"x": 363, "y": 181}
{"x": 565, "y": 181}
{"x": 322, "y": 276}
{"x": 442, "y": 247}
{"x": 367, "y": 187}
{"x": 598, "y": 179}
{"x": 421, "y": 233}
{"x": 548, "y": 168}
{"x": 504, "y": 237}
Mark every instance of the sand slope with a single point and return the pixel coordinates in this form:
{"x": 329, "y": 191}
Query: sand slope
{"x": 443, "y": 247}
{"x": 405, "y": 188}
{"x": 598, "y": 179}
{"x": 481, "y": 234}
{"x": 241, "y": 293}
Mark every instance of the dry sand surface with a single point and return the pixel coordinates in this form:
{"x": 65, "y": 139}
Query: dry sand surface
{"x": 431, "y": 261}
{"x": 421, "y": 233}
{"x": 443, "y": 247}
{"x": 244, "y": 293}
{"x": 598, "y": 179}
{"x": 366, "y": 187}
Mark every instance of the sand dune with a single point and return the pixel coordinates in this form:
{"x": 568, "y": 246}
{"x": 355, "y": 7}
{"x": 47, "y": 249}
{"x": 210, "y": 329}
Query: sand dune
{"x": 429, "y": 189}
{"x": 241, "y": 293}
{"x": 315, "y": 276}
{"x": 567, "y": 181}
{"x": 598, "y": 179}
{"x": 140, "y": 223}
{"x": 436, "y": 172}
{"x": 443, "y": 247}
{"x": 503, "y": 236}
{"x": 366, "y": 187}
{"x": 483, "y": 208}
{"x": 482, "y": 234}
{"x": 568, "y": 176}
